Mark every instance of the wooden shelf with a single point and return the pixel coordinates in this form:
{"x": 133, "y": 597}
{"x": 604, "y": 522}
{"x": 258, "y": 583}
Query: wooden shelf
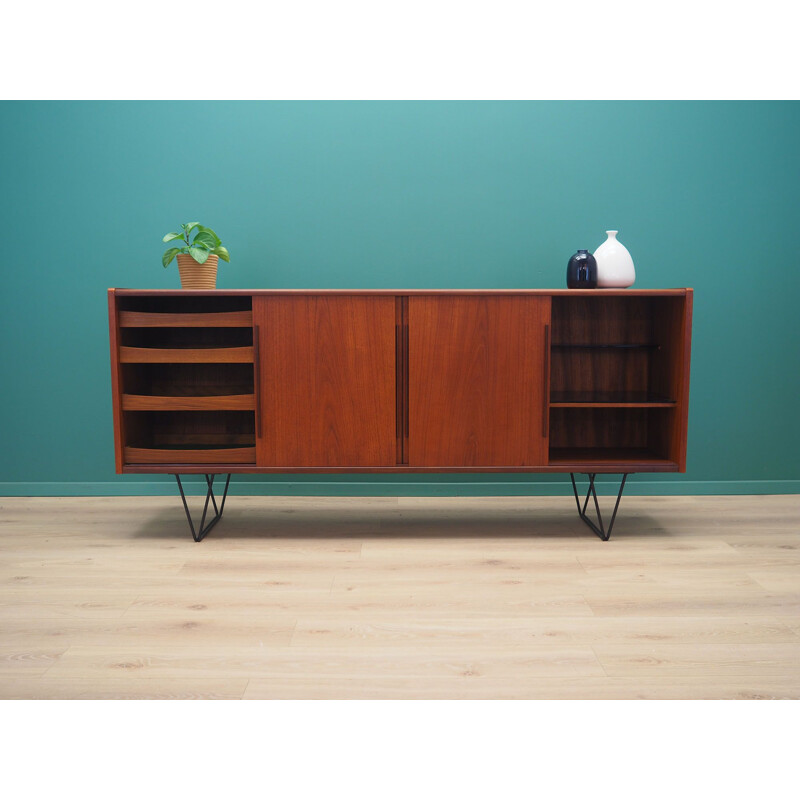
{"x": 232, "y": 402}
{"x": 603, "y": 457}
{"x": 220, "y": 319}
{"x": 180, "y": 355}
{"x": 611, "y": 346}
{"x": 623, "y": 399}
{"x": 209, "y": 455}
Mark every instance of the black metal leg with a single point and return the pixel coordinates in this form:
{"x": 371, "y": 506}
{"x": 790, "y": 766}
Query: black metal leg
{"x": 200, "y": 534}
{"x": 601, "y": 531}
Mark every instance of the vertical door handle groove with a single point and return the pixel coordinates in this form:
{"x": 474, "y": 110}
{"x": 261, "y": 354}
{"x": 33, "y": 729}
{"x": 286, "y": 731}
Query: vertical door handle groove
{"x": 405, "y": 393}
{"x": 546, "y": 380}
{"x": 257, "y": 378}
{"x": 401, "y": 361}
{"x": 398, "y": 355}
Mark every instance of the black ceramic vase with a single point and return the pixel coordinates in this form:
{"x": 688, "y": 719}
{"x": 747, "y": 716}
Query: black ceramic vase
{"x": 582, "y": 271}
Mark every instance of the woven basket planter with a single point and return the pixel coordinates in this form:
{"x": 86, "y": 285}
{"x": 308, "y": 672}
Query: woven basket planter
{"x": 197, "y": 276}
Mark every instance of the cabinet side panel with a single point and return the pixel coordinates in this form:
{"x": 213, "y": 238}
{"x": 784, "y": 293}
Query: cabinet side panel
{"x": 477, "y": 380}
{"x": 327, "y": 391}
{"x": 113, "y": 338}
{"x": 669, "y": 373}
{"x": 682, "y": 428}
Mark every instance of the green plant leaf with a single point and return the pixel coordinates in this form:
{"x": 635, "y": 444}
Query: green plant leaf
{"x": 200, "y": 254}
{"x": 170, "y": 236}
{"x": 205, "y": 238}
{"x": 217, "y": 240}
{"x": 189, "y": 227}
{"x": 169, "y": 255}
{"x": 222, "y": 252}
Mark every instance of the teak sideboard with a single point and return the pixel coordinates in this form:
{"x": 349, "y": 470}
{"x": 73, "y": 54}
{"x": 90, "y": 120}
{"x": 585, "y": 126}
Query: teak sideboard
{"x": 240, "y": 381}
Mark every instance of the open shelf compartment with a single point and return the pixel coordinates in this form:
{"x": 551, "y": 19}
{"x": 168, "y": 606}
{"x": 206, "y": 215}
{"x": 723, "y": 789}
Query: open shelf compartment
{"x": 187, "y": 379}
{"x": 186, "y": 345}
{"x": 185, "y": 305}
{"x": 181, "y": 437}
{"x": 602, "y": 436}
{"x": 188, "y": 387}
{"x": 615, "y": 380}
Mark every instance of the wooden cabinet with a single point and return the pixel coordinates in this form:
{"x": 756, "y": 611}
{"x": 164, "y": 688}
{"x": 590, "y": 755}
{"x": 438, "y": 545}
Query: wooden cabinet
{"x": 393, "y": 381}
{"x": 477, "y": 380}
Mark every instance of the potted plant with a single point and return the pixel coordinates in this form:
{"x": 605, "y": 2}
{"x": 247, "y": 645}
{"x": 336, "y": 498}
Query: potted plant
{"x": 199, "y": 256}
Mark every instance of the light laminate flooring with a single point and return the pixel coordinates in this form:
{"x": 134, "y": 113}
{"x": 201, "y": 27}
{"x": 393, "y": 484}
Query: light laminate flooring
{"x": 407, "y": 598}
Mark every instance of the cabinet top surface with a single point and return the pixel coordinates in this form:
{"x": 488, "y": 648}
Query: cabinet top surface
{"x": 394, "y": 292}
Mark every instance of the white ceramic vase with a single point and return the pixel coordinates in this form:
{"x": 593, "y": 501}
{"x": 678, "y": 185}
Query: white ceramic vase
{"x": 614, "y": 264}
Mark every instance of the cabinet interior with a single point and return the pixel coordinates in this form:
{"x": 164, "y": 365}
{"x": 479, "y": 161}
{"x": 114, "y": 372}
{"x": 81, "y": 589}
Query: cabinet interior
{"x": 185, "y": 304}
{"x": 155, "y": 394}
{"x": 615, "y": 378}
{"x": 175, "y": 430}
{"x": 187, "y": 380}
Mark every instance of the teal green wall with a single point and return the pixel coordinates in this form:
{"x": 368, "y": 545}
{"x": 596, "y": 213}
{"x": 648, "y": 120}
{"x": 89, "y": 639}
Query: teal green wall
{"x": 393, "y": 194}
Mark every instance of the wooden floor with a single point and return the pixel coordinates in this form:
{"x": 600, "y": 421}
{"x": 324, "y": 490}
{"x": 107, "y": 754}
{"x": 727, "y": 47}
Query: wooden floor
{"x": 694, "y": 597}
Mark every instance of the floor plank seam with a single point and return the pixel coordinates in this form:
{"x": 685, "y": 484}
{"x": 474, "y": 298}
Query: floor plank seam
{"x": 293, "y": 633}
{"x": 55, "y": 662}
{"x": 130, "y": 606}
{"x": 589, "y": 606}
{"x": 597, "y": 659}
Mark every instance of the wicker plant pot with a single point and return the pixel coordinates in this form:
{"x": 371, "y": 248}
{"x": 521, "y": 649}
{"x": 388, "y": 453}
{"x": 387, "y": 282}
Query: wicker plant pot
{"x": 197, "y": 276}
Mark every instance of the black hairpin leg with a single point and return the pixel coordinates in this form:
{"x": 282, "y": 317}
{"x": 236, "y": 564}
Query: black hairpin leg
{"x": 602, "y": 532}
{"x": 200, "y": 534}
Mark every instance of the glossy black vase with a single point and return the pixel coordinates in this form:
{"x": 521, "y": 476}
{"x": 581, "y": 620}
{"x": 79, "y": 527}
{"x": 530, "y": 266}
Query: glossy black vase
{"x": 582, "y": 271}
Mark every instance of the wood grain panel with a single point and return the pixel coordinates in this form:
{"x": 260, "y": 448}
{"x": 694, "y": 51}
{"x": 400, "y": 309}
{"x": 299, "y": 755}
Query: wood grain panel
{"x": 584, "y": 370}
{"x": 243, "y": 293}
{"x": 222, "y": 319}
{"x": 600, "y": 459}
{"x": 723, "y": 660}
{"x": 116, "y": 381}
{"x": 188, "y": 355}
{"x": 327, "y": 380}
{"x": 305, "y": 686}
{"x": 202, "y": 439}
{"x": 670, "y": 369}
{"x": 234, "y": 402}
{"x": 226, "y": 455}
{"x": 601, "y": 427}
{"x": 599, "y": 318}
{"x": 680, "y": 434}
{"x": 401, "y": 378}
{"x": 612, "y": 405}
{"x": 476, "y": 380}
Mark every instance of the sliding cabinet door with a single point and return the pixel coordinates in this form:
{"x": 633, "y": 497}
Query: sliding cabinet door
{"x": 477, "y": 380}
{"x": 326, "y": 367}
